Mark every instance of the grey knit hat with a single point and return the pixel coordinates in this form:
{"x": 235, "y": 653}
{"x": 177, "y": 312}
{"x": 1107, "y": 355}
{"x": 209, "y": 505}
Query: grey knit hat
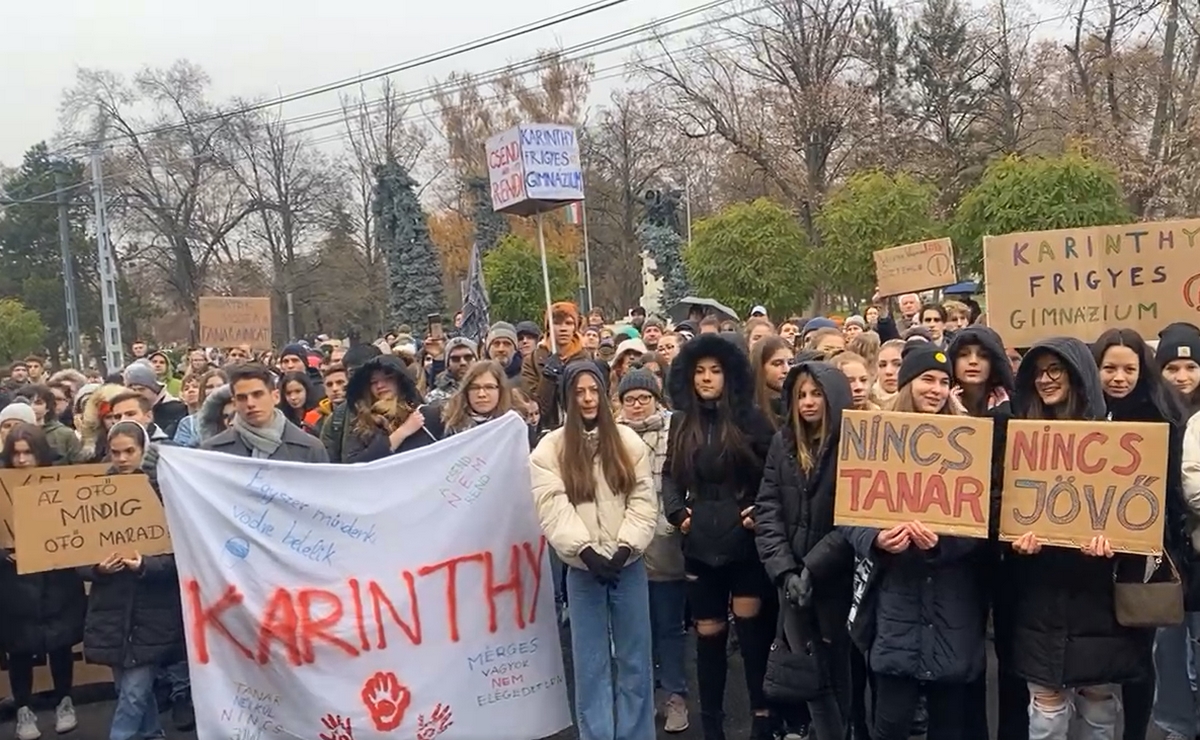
{"x": 502, "y": 330}
{"x": 639, "y": 379}
{"x": 461, "y": 342}
{"x": 142, "y": 373}
{"x": 18, "y": 410}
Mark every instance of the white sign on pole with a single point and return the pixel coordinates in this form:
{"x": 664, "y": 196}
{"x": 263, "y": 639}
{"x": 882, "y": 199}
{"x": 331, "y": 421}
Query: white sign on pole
{"x": 405, "y": 598}
{"x": 534, "y": 167}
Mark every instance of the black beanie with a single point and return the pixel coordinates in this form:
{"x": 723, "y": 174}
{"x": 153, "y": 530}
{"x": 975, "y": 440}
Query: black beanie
{"x": 920, "y": 359}
{"x": 1178, "y": 342}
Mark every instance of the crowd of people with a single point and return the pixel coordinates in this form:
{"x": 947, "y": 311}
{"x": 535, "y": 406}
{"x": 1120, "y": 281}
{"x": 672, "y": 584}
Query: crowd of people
{"x": 684, "y": 475}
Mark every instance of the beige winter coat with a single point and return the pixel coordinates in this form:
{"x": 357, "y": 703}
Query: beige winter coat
{"x": 604, "y": 524}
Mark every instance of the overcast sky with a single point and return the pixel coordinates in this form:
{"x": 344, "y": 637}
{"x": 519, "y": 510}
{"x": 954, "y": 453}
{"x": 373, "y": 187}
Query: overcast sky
{"x": 254, "y": 48}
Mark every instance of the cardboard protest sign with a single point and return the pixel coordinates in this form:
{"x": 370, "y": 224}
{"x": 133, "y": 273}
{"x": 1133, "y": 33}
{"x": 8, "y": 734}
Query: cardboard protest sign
{"x": 932, "y": 468}
{"x": 228, "y": 322}
{"x": 1068, "y": 481}
{"x": 534, "y": 167}
{"x": 13, "y": 478}
{"x": 1079, "y": 282}
{"x": 311, "y": 613}
{"x": 912, "y": 268}
{"x": 72, "y": 523}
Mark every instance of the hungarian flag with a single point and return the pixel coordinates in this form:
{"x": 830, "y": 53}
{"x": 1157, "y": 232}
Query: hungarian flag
{"x": 575, "y": 213}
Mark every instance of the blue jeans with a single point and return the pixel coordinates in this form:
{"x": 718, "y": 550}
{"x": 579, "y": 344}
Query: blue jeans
{"x": 1174, "y": 659}
{"x": 136, "y": 714}
{"x": 177, "y": 678}
{"x": 1095, "y": 706}
{"x": 610, "y": 625}
{"x": 668, "y": 601}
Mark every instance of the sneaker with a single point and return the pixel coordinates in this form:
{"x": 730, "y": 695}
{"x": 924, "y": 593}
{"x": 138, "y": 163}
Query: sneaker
{"x": 27, "y": 728}
{"x": 183, "y": 714}
{"x": 64, "y": 716}
{"x": 677, "y": 714}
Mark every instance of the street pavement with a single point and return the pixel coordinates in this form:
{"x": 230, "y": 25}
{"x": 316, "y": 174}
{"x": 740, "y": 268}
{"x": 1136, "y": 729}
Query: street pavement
{"x": 95, "y": 712}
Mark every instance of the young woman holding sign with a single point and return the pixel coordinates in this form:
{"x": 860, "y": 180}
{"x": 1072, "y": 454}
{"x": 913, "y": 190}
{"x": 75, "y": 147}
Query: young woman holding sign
{"x": 41, "y": 613}
{"x": 929, "y": 613}
{"x": 134, "y": 616}
{"x": 807, "y": 559}
{"x": 1067, "y": 643}
{"x": 1134, "y": 391}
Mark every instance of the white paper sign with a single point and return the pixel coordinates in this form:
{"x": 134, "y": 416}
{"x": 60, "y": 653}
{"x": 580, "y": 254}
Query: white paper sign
{"x": 406, "y": 598}
{"x": 536, "y": 162}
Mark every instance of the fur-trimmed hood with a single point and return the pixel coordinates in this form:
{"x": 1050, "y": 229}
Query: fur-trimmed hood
{"x": 208, "y": 420}
{"x": 360, "y": 382}
{"x": 739, "y": 378}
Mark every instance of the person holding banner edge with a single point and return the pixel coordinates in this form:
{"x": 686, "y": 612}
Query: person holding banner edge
{"x": 806, "y": 557}
{"x": 1067, "y": 643}
{"x": 593, "y": 487}
{"x": 929, "y": 616}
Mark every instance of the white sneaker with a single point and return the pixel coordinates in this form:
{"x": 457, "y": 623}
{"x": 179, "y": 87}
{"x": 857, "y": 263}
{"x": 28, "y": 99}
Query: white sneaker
{"x": 27, "y": 728}
{"x": 64, "y": 716}
{"x": 677, "y": 714}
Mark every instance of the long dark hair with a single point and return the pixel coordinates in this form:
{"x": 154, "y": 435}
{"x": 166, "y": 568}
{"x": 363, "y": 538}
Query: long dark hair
{"x": 731, "y": 441}
{"x": 32, "y": 435}
{"x": 574, "y": 457}
{"x": 1151, "y": 388}
{"x": 310, "y": 403}
{"x": 1075, "y": 406}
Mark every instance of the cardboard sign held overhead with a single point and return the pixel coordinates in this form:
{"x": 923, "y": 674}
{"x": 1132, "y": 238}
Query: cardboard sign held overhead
{"x": 228, "y": 322}
{"x": 932, "y": 468}
{"x": 68, "y": 524}
{"x": 13, "y": 478}
{"x": 534, "y": 167}
{"x": 1068, "y": 481}
{"x": 912, "y": 268}
{"x": 1079, "y": 282}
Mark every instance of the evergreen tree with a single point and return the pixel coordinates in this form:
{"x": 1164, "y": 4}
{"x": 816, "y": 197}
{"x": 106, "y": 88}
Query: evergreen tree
{"x": 663, "y": 244}
{"x": 490, "y": 226}
{"x": 402, "y": 235}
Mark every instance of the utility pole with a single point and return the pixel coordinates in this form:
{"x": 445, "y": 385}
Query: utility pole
{"x": 114, "y": 348}
{"x": 64, "y": 244}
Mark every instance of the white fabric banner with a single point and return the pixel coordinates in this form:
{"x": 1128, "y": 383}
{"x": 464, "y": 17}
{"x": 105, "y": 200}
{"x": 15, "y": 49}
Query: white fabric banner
{"x": 407, "y": 598}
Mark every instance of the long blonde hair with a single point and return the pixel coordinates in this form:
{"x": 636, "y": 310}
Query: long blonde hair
{"x": 457, "y": 412}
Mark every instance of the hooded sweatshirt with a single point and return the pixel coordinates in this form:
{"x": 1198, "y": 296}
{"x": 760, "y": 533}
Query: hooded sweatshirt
{"x": 716, "y": 486}
{"x": 360, "y": 446}
{"x": 1065, "y": 631}
{"x": 793, "y": 517}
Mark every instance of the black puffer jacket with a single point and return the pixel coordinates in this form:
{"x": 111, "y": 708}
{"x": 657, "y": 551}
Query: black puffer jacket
{"x": 716, "y": 485}
{"x": 135, "y": 619}
{"x": 374, "y": 445}
{"x": 40, "y": 611}
{"x": 1065, "y": 631}
{"x": 793, "y": 519}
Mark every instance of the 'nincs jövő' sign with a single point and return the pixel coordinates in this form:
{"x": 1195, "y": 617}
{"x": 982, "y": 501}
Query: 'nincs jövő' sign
{"x": 1079, "y": 282}
{"x": 912, "y": 268}
{"x": 932, "y": 468}
{"x": 410, "y": 597}
{"x": 534, "y": 167}
{"x": 1068, "y": 481}
{"x": 81, "y": 521}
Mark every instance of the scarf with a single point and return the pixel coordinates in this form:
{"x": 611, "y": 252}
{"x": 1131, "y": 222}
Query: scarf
{"x": 651, "y": 423}
{"x": 265, "y": 440}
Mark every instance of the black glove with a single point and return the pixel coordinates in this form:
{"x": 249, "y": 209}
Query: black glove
{"x": 797, "y": 588}
{"x": 620, "y": 557}
{"x": 599, "y": 566}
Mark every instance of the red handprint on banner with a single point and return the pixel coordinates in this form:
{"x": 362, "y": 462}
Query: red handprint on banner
{"x": 386, "y": 700}
{"x": 439, "y": 721}
{"x": 339, "y": 729}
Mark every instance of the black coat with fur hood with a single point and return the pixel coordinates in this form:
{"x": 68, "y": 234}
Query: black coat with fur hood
{"x": 374, "y": 445}
{"x": 1065, "y": 630}
{"x": 715, "y": 481}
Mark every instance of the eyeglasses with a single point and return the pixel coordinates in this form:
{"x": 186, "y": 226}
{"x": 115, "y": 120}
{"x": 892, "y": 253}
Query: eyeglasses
{"x": 1052, "y": 372}
{"x": 461, "y": 358}
{"x": 485, "y": 388}
{"x": 644, "y": 400}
